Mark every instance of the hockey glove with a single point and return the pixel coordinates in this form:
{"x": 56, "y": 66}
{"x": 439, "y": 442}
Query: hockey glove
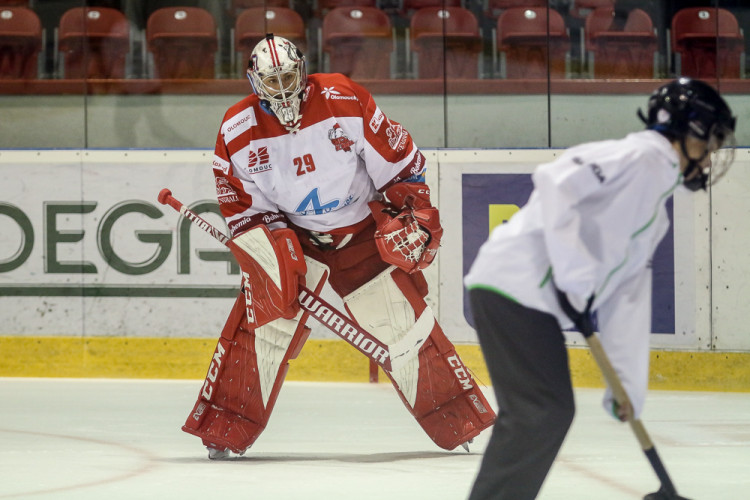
{"x": 582, "y": 320}
{"x": 408, "y": 230}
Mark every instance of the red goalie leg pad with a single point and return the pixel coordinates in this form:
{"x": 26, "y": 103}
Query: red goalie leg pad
{"x": 241, "y": 386}
{"x": 449, "y": 406}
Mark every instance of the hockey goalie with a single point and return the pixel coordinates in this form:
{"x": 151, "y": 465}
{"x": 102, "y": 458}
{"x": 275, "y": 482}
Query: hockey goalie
{"x": 316, "y": 184}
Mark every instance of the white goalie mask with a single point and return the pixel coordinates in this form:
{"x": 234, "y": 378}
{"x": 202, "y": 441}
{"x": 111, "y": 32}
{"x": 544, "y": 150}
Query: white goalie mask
{"x": 277, "y": 73}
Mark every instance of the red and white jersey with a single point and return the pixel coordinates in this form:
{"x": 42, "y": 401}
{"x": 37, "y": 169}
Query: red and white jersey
{"x": 319, "y": 178}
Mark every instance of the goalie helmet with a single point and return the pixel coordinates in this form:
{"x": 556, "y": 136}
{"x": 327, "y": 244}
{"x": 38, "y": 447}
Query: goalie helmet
{"x": 278, "y": 75}
{"x": 687, "y": 107}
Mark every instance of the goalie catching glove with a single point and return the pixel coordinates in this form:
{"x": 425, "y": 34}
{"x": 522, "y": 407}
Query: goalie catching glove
{"x": 408, "y": 229}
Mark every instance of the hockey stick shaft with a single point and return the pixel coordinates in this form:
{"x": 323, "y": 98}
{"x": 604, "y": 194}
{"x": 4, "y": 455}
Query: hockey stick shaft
{"x": 336, "y": 321}
{"x": 621, "y": 396}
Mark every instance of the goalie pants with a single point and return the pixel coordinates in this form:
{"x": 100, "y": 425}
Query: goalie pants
{"x": 528, "y": 363}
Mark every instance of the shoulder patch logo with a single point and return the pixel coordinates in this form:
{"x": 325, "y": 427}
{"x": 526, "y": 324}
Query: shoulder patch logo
{"x": 333, "y": 94}
{"x": 224, "y": 192}
{"x": 239, "y": 124}
{"x": 376, "y": 120}
{"x": 339, "y": 139}
{"x": 397, "y": 136}
{"x": 330, "y": 91}
{"x": 221, "y": 164}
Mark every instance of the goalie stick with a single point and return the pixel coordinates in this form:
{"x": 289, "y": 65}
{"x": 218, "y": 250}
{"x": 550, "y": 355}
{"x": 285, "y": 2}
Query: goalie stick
{"x": 333, "y": 319}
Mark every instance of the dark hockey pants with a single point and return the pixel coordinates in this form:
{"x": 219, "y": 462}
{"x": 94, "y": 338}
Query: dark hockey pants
{"x": 528, "y": 363}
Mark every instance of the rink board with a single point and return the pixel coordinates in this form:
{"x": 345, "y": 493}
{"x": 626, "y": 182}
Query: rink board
{"x": 86, "y": 252}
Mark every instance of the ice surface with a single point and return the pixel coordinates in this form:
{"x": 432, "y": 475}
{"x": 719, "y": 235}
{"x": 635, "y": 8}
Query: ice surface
{"x": 121, "y": 439}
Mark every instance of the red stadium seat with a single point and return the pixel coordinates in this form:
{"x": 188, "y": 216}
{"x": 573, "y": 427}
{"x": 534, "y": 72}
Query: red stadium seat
{"x": 523, "y": 39}
{"x": 496, "y": 7}
{"x": 326, "y": 5}
{"x": 447, "y": 42}
{"x": 412, "y": 5}
{"x": 14, "y": 3}
{"x": 20, "y": 43}
{"x": 249, "y": 4}
{"x": 358, "y": 42}
{"x": 253, "y": 24}
{"x": 582, "y": 8}
{"x": 626, "y": 53}
{"x": 183, "y": 42}
{"x": 237, "y": 6}
{"x": 708, "y": 43}
{"x": 94, "y": 42}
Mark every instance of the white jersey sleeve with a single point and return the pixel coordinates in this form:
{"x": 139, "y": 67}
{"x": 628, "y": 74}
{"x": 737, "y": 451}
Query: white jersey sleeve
{"x": 603, "y": 214}
{"x": 624, "y": 323}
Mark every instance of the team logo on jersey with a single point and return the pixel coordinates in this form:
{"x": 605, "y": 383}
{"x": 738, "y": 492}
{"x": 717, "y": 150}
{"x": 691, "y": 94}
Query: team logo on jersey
{"x": 224, "y": 192}
{"x": 332, "y": 93}
{"x": 220, "y": 164}
{"x": 417, "y": 169}
{"x": 396, "y": 136}
{"x": 376, "y": 120}
{"x": 257, "y": 161}
{"x": 339, "y": 139}
{"x": 312, "y": 204}
{"x": 238, "y": 124}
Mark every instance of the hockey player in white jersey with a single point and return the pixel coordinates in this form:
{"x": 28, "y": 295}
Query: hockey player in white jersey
{"x": 583, "y": 243}
{"x": 314, "y": 158}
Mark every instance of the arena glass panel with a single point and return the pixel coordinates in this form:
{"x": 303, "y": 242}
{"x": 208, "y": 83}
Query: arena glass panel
{"x": 454, "y": 73}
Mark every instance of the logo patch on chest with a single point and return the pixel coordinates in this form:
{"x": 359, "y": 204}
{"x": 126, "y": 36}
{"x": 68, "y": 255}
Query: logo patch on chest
{"x": 258, "y": 161}
{"x": 339, "y": 139}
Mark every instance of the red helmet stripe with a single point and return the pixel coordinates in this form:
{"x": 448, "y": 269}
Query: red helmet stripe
{"x": 274, "y": 55}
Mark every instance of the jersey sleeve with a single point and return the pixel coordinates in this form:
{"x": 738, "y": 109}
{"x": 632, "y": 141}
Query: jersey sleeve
{"x": 593, "y": 202}
{"x": 241, "y": 203}
{"x": 561, "y": 185}
{"x": 596, "y": 203}
{"x": 625, "y": 323}
{"x": 390, "y": 154}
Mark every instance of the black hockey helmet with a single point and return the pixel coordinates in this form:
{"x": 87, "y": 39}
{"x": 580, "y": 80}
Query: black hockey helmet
{"x": 689, "y": 107}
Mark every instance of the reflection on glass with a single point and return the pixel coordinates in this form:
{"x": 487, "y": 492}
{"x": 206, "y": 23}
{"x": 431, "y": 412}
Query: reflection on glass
{"x": 358, "y": 42}
{"x": 532, "y": 42}
{"x": 454, "y": 66}
{"x": 93, "y": 43}
{"x": 707, "y": 43}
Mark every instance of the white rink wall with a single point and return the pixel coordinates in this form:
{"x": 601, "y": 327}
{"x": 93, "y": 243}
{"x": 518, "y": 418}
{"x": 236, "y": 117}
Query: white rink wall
{"x": 85, "y": 248}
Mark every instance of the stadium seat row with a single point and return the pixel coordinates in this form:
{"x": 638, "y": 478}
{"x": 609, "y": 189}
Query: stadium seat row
{"x": 361, "y": 41}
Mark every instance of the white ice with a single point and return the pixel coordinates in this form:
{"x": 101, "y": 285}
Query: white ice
{"x": 121, "y": 439}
